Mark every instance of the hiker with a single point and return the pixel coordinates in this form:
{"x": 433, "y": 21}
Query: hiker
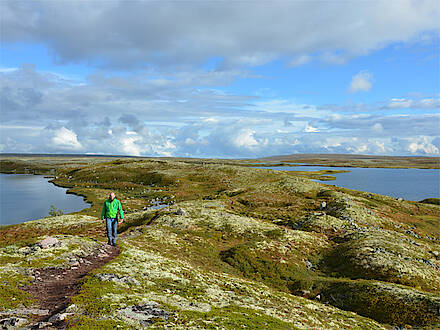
{"x": 109, "y": 214}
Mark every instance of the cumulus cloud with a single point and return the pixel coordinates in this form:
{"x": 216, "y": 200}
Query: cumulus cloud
{"x": 134, "y": 115}
{"x": 133, "y": 33}
{"x": 65, "y": 139}
{"x": 245, "y": 138}
{"x": 361, "y": 82}
{"x": 420, "y": 145}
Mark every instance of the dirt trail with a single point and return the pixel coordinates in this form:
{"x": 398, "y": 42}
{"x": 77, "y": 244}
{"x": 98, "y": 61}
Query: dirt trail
{"x": 53, "y": 287}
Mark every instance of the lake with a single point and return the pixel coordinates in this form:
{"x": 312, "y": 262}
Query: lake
{"x": 409, "y": 183}
{"x": 25, "y": 197}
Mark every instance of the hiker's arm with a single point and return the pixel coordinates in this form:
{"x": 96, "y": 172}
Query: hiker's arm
{"x": 121, "y": 213}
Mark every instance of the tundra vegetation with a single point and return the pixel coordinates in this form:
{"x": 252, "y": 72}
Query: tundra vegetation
{"x": 234, "y": 247}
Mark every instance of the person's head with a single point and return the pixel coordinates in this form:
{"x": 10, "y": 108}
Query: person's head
{"x": 112, "y": 196}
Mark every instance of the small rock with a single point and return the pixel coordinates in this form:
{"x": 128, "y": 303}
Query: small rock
{"x": 305, "y": 292}
{"x": 41, "y": 325}
{"x": 435, "y": 253}
{"x": 323, "y": 206}
{"x": 25, "y": 311}
{"x": 144, "y": 313}
{"x": 116, "y": 278}
{"x": 59, "y": 317}
{"x": 12, "y": 322}
{"x": 309, "y": 265}
{"x": 49, "y": 242}
{"x": 181, "y": 211}
{"x": 75, "y": 264}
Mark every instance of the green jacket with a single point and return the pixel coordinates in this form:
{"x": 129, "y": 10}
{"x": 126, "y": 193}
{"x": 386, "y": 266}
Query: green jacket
{"x": 111, "y": 209}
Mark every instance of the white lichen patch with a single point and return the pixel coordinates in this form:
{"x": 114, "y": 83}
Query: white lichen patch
{"x": 213, "y": 215}
{"x": 386, "y": 252}
{"x": 294, "y": 246}
{"x": 145, "y": 265}
{"x": 322, "y": 222}
{"x": 35, "y": 257}
{"x": 347, "y": 208}
{"x": 63, "y": 221}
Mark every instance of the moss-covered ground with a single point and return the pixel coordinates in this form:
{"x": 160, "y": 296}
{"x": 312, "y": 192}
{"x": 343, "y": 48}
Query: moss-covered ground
{"x": 248, "y": 248}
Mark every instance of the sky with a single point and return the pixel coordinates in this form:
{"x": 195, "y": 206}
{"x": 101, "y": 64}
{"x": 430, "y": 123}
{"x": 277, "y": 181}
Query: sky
{"x": 224, "y": 79}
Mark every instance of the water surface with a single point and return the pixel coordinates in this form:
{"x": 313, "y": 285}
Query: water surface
{"x": 408, "y": 183}
{"x": 25, "y": 197}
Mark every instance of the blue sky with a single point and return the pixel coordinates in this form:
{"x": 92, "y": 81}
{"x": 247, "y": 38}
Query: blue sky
{"x": 220, "y": 79}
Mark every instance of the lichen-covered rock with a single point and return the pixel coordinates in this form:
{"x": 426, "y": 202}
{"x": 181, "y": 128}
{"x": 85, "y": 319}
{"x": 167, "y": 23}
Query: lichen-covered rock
{"x": 12, "y": 323}
{"x": 116, "y": 278}
{"x": 145, "y": 313}
{"x": 49, "y": 242}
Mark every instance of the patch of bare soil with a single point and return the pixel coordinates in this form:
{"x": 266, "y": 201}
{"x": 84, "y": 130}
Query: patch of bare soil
{"x": 53, "y": 287}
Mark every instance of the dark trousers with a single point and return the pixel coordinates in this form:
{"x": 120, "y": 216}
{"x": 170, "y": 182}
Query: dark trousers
{"x": 112, "y": 229}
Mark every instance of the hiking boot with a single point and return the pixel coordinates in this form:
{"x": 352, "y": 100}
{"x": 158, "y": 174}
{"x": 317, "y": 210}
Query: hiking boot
{"x": 114, "y": 244}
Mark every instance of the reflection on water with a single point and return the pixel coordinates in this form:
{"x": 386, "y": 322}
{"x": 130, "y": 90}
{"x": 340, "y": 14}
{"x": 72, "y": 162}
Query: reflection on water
{"x": 26, "y": 197}
{"x": 408, "y": 183}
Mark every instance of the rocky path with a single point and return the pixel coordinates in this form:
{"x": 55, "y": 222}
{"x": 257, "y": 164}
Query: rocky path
{"x": 53, "y": 287}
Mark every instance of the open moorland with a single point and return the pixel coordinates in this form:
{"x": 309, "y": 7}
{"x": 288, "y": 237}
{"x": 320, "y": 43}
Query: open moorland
{"x": 343, "y": 160}
{"x": 230, "y": 247}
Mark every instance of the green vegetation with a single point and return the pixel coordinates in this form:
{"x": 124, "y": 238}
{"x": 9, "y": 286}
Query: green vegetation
{"x": 434, "y": 201}
{"x": 54, "y": 212}
{"x": 235, "y": 247}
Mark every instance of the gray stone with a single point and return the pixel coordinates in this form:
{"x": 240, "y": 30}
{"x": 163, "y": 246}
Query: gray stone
{"x": 49, "y": 242}
{"x": 309, "y": 265}
{"x": 145, "y": 313}
{"x": 118, "y": 279}
{"x": 181, "y": 211}
{"x": 59, "y": 317}
{"x": 25, "y": 311}
{"x": 12, "y": 322}
{"x": 41, "y": 325}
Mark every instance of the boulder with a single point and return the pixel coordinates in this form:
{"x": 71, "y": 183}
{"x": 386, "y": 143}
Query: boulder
{"x": 59, "y": 317}
{"x": 145, "y": 313}
{"x": 12, "y": 322}
{"x": 49, "y": 242}
{"x": 181, "y": 211}
{"x": 118, "y": 279}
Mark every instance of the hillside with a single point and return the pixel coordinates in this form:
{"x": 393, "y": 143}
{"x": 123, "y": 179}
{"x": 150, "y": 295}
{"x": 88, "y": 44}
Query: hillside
{"x": 233, "y": 247}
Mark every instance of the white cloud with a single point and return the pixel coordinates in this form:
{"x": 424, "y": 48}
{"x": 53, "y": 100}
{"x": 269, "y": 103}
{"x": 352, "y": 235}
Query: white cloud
{"x": 129, "y": 33}
{"x": 361, "y": 82}
{"x": 66, "y": 139}
{"x": 404, "y": 103}
{"x": 377, "y": 127}
{"x": 245, "y": 138}
{"x": 129, "y": 146}
{"x": 300, "y": 60}
{"x": 422, "y": 146}
{"x": 400, "y": 103}
{"x": 310, "y": 129}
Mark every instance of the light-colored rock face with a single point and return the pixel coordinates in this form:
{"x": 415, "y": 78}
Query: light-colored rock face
{"x": 49, "y": 242}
